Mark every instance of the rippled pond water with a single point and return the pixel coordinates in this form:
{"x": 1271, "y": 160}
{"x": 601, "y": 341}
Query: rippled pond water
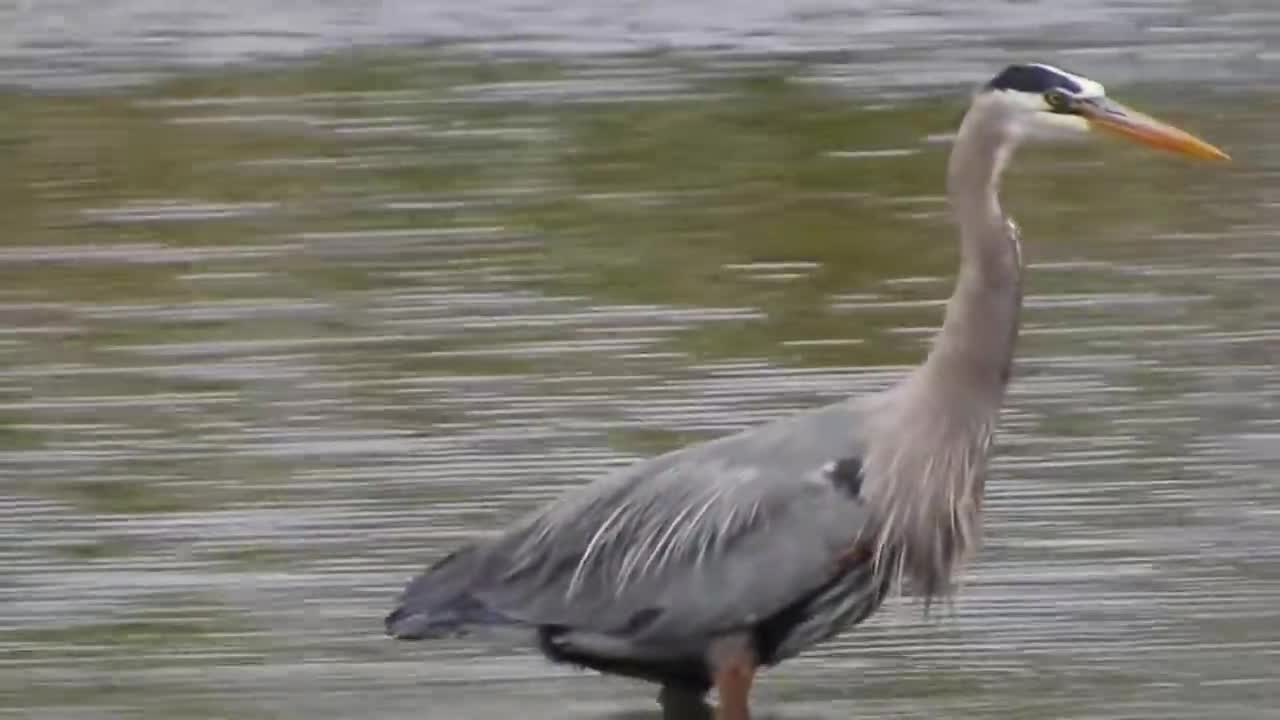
{"x": 274, "y": 335}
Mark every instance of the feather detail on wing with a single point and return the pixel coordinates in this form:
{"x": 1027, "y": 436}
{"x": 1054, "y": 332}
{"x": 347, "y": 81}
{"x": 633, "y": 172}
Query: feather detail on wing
{"x": 687, "y": 544}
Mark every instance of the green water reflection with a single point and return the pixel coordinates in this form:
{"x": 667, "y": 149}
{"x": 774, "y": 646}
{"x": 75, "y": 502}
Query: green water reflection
{"x": 247, "y": 312}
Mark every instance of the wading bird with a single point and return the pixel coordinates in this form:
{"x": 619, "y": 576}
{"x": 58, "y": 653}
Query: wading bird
{"x": 698, "y": 567}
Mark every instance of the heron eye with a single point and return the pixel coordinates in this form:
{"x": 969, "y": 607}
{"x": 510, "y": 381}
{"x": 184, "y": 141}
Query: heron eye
{"x": 1057, "y": 100}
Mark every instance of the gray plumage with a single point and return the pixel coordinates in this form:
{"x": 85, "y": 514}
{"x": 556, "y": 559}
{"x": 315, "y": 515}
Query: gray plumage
{"x": 682, "y": 537}
{"x": 654, "y": 561}
{"x": 781, "y": 536}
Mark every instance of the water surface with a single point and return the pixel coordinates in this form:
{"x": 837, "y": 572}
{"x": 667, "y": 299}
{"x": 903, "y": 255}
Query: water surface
{"x": 273, "y": 335}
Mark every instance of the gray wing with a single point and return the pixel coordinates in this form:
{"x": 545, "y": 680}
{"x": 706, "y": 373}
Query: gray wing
{"x": 713, "y": 537}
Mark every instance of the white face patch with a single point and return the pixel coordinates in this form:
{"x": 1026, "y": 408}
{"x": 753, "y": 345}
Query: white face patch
{"x": 1022, "y": 101}
{"x": 1055, "y": 126}
{"x": 1026, "y": 115}
{"x": 1028, "y": 101}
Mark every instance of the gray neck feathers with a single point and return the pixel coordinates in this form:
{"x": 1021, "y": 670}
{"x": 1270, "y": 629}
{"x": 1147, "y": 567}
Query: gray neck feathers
{"x": 927, "y": 456}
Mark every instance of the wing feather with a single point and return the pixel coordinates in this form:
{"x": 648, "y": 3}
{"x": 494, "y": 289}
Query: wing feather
{"x": 703, "y": 540}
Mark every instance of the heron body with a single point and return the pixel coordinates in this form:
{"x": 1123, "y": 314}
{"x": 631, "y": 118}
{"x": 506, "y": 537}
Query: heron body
{"x": 695, "y": 568}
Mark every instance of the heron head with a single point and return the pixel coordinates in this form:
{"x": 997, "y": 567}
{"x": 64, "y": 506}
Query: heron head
{"x": 1042, "y": 102}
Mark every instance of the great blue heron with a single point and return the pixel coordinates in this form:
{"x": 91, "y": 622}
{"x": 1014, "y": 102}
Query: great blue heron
{"x": 695, "y": 568}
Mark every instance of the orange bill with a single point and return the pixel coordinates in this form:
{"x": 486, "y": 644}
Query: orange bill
{"x": 1115, "y": 118}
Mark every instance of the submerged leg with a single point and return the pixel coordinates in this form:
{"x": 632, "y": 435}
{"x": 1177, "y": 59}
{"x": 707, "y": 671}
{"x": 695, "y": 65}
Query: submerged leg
{"x": 681, "y": 704}
{"x": 733, "y": 668}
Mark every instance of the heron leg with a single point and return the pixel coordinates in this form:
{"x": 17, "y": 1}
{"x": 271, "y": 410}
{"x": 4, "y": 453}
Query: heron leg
{"x": 682, "y": 704}
{"x": 733, "y": 668}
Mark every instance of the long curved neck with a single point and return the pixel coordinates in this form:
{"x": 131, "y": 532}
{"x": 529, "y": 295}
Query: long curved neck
{"x": 975, "y": 345}
{"x": 926, "y": 462}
